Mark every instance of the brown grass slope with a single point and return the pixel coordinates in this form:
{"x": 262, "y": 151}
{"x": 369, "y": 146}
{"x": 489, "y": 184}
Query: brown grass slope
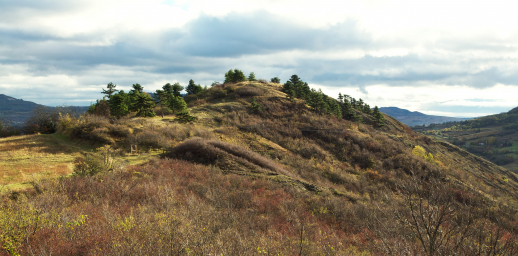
{"x": 282, "y": 180}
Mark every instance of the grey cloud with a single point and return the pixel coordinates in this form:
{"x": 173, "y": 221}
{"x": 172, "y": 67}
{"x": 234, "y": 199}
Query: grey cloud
{"x": 407, "y": 70}
{"x": 207, "y": 47}
{"x": 14, "y": 11}
{"x": 465, "y": 109}
{"x": 259, "y": 33}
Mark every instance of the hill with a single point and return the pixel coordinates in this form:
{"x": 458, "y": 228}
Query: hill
{"x": 15, "y": 110}
{"x": 18, "y": 111}
{"x": 417, "y": 118}
{"x": 493, "y": 137}
{"x": 261, "y": 172}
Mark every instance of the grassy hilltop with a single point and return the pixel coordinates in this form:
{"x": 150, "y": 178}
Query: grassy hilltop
{"x": 257, "y": 172}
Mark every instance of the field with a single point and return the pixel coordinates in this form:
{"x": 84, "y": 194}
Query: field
{"x": 27, "y": 158}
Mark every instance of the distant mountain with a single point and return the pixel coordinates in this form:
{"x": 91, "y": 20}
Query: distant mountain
{"x": 17, "y": 110}
{"x": 417, "y": 118}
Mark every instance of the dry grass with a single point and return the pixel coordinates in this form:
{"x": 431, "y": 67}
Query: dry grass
{"x": 27, "y": 158}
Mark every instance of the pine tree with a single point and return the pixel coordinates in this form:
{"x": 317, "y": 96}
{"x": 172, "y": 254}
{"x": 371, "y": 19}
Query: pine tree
{"x": 251, "y": 77}
{"x": 359, "y": 105}
{"x": 290, "y": 94}
{"x": 335, "y": 109}
{"x": 185, "y": 116}
{"x": 144, "y": 105}
{"x": 177, "y": 104}
{"x": 256, "y": 107}
{"x": 305, "y": 90}
{"x": 162, "y": 99}
{"x": 111, "y": 90}
{"x": 239, "y": 76}
{"x": 348, "y": 111}
{"x": 367, "y": 109}
{"x": 177, "y": 89}
{"x": 191, "y": 88}
{"x": 378, "y": 116}
{"x": 132, "y": 97}
{"x": 137, "y": 88}
{"x": 314, "y": 100}
{"x": 168, "y": 89}
{"x": 118, "y": 106}
{"x": 288, "y": 86}
{"x": 294, "y": 79}
{"x": 299, "y": 90}
{"x": 229, "y": 77}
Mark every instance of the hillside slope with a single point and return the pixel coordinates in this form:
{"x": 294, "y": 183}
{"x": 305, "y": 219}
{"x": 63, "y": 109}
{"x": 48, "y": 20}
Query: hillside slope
{"x": 276, "y": 179}
{"x": 493, "y": 137}
{"x": 417, "y": 118}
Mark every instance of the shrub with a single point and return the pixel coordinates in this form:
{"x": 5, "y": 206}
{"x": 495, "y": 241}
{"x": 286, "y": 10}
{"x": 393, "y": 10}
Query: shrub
{"x": 150, "y": 139}
{"x": 120, "y": 131}
{"x": 208, "y": 151}
{"x": 276, "y": 80}
{"x": 6, "y": 129}
{"x": 190, "y": 98}
{"x": 93, "y": 128}
{"x": 175, "y": 131}
{"x": 185, "y": 116}
{"x": 94, "y": 163}
{"x": 249, "y": 91}
{"x": 100, "y": 135}
{"x": 256, "y": 107}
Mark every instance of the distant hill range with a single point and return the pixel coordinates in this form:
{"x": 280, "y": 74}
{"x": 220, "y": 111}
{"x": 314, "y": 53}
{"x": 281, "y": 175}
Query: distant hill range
{"x": 18, "y": 111}
{"x": 493, "y": 137}
{"x": 417, "y": 118}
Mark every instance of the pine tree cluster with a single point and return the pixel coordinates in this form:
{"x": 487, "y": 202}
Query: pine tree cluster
{"x": 119, "y": 103}
{"x": 344, "y": 108}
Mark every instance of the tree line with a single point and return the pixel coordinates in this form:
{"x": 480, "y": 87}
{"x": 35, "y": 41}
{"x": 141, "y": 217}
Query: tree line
{"x": 118, "y": 103}
{"x": 344, "y": 107}
{"x": 169, "y": 100}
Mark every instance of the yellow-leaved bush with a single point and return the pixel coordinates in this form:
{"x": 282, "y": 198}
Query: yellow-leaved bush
{"x": 421, "y": 152}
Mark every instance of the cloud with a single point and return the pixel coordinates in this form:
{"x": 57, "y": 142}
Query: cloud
{"x": 259, "y": 33}
{"x": 68, "y": 50}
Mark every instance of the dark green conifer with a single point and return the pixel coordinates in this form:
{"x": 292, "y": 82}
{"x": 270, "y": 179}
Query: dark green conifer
{"x": 251, "y": 77}
{"x": 177, "y": 104}
{"x": 193, "y": 88}
{"x": 118, "y": 106}
{"x": 111, "y": 90}
{"x": 144, "y": 105}
{"x": 177, "y": 89}
{"x": 229, "y": 76}
{"x": 378, "y": 116}
{"x": 256, "y": 107}
{"x": 137, "y": 88}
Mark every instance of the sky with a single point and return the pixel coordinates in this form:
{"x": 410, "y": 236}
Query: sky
{"x": 450, "y": 58}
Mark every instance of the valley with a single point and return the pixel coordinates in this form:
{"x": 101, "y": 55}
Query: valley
{"x": 492, "y": 137}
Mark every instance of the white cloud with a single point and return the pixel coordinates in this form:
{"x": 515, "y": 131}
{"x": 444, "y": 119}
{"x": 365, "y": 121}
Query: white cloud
{"x": 412, "y": 54}
{"x": 424, "y": 98}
